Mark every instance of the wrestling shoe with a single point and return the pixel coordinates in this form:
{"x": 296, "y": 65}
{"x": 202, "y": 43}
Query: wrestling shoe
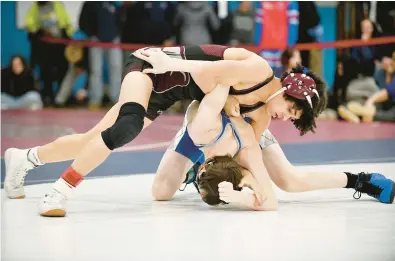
{"x": 53, "y": 204}
{"x": 375, "y": 185}
{"x": 17, "y": 166}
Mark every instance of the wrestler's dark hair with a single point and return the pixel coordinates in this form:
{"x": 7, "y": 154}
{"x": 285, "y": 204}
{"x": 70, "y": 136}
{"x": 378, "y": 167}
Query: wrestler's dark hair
{"x": 306, "y": 122}
{"x": 222, "y": 168}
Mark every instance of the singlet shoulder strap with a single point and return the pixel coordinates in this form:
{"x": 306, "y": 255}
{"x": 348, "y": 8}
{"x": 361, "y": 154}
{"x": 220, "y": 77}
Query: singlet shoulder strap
{"x": 225, "y": 122}
{"x": 237, "y": 137}
{"x": 251, "y": 89}
{"x": 244, "y": 108}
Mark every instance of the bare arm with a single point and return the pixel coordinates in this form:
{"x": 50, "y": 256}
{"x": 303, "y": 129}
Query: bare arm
{"x": 239, "y": 66}
{"x": 240, "y": 198}
{"x": 243, "y": 66}
{"x": 378, "y": 97}
{"x": 251, "y": 159}
{"x": 208, "y": 112}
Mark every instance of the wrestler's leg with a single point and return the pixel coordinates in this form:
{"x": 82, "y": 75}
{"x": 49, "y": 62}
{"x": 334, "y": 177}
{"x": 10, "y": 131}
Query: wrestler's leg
{"x": 65, "y": 148}
{"x": 170, "y": 175}
{"x": 135, "y": 91}
{"x": 134, "y": 97}
{"x": 288, "y": 178}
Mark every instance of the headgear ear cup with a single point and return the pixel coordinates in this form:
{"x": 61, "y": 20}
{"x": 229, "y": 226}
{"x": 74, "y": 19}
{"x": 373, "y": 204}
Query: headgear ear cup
{"x": 300, "y": 86}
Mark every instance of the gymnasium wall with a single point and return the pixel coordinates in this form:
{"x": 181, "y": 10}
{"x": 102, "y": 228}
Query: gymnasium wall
{"x": 14, "y": 38}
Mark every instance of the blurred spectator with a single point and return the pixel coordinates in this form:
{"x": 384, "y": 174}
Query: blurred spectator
{"x": 369, "y": 112}
{"x": 194, "y": 24}
{"x": 350, "y": 86}
{"x": 362, "y": 67}
{"x": 380, "y": 12}
{"x": 48, "y": 19}
{"x": 357, "y": 92}
{"x": 101, "y": 22}
{"x": 222, "y": 35}
{"x": 18, "y": 86}
{"x": 310, "y": 28}
{"x": 277, "y": 27}
{"x": 194, "y": 21}
{"x": 72, "y": 90}
{"x": 243, "y": 23}
{"x": 368, "y": 55}
{"x": 345, "y": 72}
{"x": 148, "y": 23}
{"x": 360, "y": 89}
{"x": 289, "y": 59}
{"x": 384, "y": 72}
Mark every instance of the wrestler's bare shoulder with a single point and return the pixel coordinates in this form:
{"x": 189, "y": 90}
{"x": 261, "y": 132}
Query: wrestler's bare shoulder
{"x": 258, "y": 63}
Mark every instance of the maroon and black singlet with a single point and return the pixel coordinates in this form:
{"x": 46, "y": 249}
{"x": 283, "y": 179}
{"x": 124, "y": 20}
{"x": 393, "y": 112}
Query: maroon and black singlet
{"x": 171, "y": 87}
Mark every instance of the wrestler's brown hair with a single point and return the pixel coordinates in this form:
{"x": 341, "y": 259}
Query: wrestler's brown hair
{"x": 306, "y": 122}
{"x": 221, "y": 168}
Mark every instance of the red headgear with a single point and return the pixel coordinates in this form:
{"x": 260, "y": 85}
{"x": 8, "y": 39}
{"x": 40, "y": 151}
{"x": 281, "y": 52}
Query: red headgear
{"x": 299, "y": 86}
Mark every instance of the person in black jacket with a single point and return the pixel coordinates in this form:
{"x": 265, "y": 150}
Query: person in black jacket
{"x": 101, "y": 22}
{"x": 309, "y": 27}
{"x": 17, "y": 86}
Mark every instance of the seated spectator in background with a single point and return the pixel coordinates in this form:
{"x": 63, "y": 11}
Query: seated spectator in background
{"x": 18, "y": 86}
{"x": 364, "y": 59}
{"x": 46, "y": 18}
{"x": 73, "y": 91}
{"x": 358, "y": 91}
{"x": 384, "y": 73}
{"x": 195, "y": 20}
{"x": 366, "y": 56}
{"x": 289, "y": 59}
{"x": 243, "y": 23}
{"x": 370, "y": 111}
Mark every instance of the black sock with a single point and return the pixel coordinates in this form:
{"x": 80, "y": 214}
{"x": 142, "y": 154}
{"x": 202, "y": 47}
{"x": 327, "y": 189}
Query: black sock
{"x": 351, "y": 180}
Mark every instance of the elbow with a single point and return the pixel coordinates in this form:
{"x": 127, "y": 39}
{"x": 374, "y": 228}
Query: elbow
{"x": 271, "y": 205}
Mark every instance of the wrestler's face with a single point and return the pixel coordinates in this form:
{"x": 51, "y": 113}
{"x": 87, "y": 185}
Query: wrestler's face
{"x": 280, "y": 108}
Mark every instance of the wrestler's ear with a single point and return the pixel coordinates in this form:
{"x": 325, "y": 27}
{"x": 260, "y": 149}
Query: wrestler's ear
{"x": 232, "y": 107}
{"x": 236, "y": 110}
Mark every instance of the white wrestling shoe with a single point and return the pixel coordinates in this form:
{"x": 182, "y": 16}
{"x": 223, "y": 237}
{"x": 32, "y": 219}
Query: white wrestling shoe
{"x": 53, "y": 204}
{"x": 17, "y": 166}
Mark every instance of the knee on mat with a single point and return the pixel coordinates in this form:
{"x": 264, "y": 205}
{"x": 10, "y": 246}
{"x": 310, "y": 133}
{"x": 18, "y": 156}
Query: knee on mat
{"x": 161, "y": 191}
{"x": 127, "y": 127}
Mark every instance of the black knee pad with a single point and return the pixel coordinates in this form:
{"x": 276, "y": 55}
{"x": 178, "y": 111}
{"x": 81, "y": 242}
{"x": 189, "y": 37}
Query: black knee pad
{"x": 129, "y": 124}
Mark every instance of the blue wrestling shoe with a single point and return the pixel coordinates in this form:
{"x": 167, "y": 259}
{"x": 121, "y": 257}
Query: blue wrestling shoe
{"x": 375, "y": 185}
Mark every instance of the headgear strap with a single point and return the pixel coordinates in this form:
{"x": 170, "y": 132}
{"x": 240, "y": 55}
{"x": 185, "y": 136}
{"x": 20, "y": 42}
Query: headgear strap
{"x": 299, "y": 86}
